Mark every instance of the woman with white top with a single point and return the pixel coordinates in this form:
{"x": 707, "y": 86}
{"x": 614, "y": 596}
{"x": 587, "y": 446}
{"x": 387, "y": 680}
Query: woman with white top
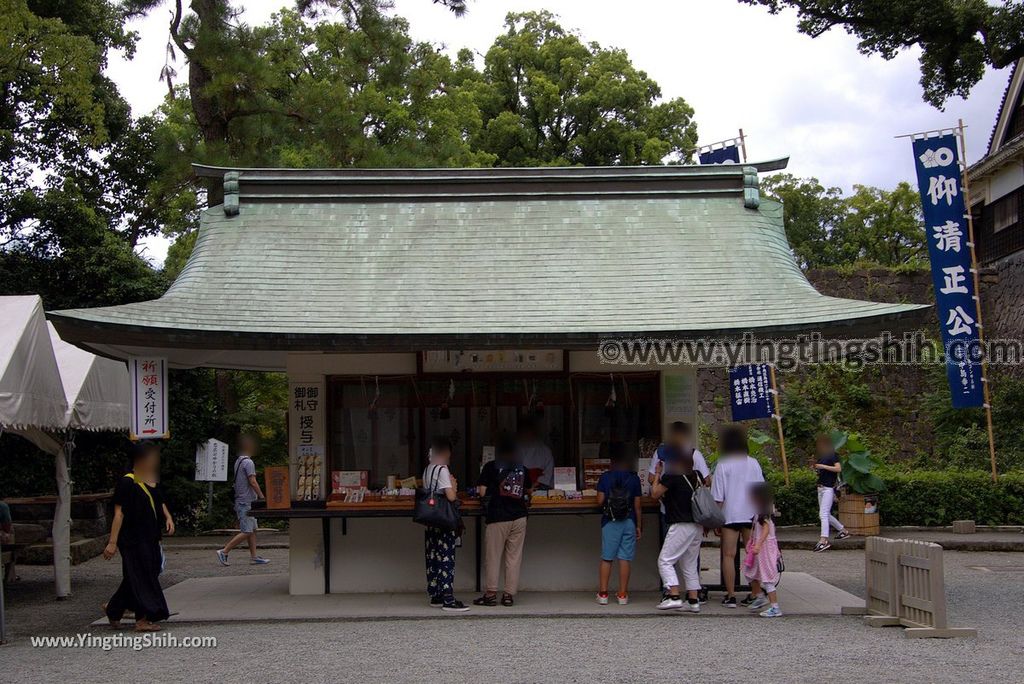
{"x": 735, "y": 473}
{"x": 439, "y": 544}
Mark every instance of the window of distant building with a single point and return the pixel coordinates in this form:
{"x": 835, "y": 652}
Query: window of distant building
{"x": 1006, "y": 212}
{"x": 1016, "y": 126}
{"x": 998, "y": 226}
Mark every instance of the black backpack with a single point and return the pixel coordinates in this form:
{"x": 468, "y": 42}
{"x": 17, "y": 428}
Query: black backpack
{"x": 617, "y": 505}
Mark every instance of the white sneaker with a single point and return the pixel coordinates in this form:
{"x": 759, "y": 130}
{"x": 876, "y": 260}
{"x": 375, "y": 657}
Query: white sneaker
{"x": 691, "y": 607}
{"x": 670, "y": 604}
{"x": 602, "y": 599}
{"x": 772, "y": 612}
{"x": 623, "y": 600}
{"x": 759, "y": 603}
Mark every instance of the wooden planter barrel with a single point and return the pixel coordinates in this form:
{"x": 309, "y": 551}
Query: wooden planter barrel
{"x": 859, "y": 513}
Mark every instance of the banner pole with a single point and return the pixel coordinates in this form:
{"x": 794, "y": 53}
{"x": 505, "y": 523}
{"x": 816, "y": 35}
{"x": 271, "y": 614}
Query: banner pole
{"x": 977, "y": 297}
{"x": 778, "y": 425}
{"x": 743, "y": 146}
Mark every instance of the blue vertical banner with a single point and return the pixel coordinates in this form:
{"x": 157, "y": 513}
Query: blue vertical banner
{"x": 729, "y": 154}
{"x": 750, "y": 390}
{"x": 945, "y": 222}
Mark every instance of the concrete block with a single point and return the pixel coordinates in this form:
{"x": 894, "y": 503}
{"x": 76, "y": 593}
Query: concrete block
{"x": 964, "y": 527}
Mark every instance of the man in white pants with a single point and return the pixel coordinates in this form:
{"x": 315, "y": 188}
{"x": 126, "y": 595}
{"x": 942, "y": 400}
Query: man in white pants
{"x": 682, "y": 541}
{"x": 828, "y": 468}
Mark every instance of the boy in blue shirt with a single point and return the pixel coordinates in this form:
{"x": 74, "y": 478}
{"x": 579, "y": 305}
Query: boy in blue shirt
{"x": 618, "y": 494}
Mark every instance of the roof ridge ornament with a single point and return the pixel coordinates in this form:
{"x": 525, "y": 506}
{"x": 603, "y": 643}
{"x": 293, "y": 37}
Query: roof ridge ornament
{"x": 231, "y": 193}
{"x": 751, "y": 188}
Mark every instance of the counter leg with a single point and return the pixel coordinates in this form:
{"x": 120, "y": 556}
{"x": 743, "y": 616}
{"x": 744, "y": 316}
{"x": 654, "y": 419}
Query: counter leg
{"x": 327, "y": 554}
{"x": 479, "y": 552}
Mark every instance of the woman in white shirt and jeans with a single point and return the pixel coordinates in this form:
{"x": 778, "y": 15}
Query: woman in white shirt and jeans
{"x": 439, "y": 544}
{"x": 735, "y": 473}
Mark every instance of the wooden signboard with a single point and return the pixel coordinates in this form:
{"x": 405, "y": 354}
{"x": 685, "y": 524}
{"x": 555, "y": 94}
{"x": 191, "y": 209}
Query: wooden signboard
{"x": 278, "y": 489}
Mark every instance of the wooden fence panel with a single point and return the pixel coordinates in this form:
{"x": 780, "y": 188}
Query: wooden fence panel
{"x": 921, "y": 590}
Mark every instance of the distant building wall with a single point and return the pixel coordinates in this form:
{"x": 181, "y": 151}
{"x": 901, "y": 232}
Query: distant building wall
{"x": 905, "y": 425}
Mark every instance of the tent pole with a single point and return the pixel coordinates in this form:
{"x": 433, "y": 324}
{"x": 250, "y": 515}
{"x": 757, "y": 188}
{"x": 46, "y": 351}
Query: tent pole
{"x": 3, "y": 609}
{"x": 3, "y": 617}
{"x": 62, "y": 522}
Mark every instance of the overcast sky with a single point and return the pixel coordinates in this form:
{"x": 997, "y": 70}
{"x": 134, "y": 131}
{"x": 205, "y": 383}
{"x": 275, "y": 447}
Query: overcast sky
{"x": 830, "y": 108}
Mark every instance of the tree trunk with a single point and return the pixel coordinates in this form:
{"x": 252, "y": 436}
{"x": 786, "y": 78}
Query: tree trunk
{"x": 209, "y": 112}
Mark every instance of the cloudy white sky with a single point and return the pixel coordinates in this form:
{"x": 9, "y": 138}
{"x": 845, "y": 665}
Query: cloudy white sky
{"x": 831, "y": 109}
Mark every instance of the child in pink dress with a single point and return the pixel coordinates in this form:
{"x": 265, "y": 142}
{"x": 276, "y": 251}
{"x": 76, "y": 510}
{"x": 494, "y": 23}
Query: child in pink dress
{"x": 761, "y": 566}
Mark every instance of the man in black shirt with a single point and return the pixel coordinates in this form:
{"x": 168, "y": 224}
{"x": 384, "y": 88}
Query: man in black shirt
{"x": 135, "y": 533}
{"x": 675, "y": 483}
{"x": 829, "y": 468}
{"x": 504, "y": 485}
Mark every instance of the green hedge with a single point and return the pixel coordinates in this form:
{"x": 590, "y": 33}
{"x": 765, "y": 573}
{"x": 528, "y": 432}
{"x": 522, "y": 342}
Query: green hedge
{"x": 917, "y": 498}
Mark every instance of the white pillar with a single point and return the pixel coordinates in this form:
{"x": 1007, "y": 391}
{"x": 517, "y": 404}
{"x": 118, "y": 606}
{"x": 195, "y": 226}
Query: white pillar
{"x": 61, "y": 532}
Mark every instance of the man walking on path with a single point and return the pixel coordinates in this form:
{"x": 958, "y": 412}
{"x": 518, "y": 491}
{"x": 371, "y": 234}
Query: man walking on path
{"x": 247, "y": 490}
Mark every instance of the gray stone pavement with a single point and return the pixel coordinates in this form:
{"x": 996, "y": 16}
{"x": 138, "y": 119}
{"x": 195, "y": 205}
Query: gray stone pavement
{"x": 982, "y": 589}
{"x": 265, "y": 597}
{"x": 803, "y": 537}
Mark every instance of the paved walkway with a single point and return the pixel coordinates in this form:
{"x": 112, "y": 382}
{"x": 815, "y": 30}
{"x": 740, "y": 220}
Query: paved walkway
{"x": 794, "y": 538}
{"x": 265, "y": 598}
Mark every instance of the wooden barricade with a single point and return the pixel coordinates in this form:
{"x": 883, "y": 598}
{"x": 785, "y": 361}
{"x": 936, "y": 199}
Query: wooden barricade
{"x": 922, "y": 591}
{"x": 905, "y": 586}
{"x": 881, "y": 578}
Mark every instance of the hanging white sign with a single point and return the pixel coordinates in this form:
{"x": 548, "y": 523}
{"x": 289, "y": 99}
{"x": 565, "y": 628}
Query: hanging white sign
{"x": 148, "y": 376}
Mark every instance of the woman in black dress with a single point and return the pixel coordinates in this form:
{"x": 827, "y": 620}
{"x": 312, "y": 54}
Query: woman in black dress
{"x": 135, "y": 533}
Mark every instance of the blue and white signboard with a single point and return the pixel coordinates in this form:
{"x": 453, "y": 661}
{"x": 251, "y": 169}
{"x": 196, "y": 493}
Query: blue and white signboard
{"x": 729, "y": 154}
{"x": 750, "y": 391}
{"x": 945, "y": 221}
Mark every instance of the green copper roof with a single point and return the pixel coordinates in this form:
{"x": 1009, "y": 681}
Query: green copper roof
{"x": 414, "y": 273}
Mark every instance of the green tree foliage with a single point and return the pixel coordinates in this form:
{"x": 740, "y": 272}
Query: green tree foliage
{"x": 73, "y": 164}
{"x": 549, "y": 98}
{"x": 813, "y": 215}
{"x": 885, "y": 227}
{"x": 882, "y": 227}
{"x": 958, "y": 39}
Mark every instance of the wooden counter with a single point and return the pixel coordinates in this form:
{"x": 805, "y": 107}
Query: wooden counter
{"x": 398, "y": 508}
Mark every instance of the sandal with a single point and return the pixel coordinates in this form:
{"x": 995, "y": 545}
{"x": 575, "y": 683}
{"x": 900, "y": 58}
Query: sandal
{"x": 114, "y": 624}
{"x": 507, "y": 600}
{"x": 147, "y": 627}
{"x": 486, "y": 600}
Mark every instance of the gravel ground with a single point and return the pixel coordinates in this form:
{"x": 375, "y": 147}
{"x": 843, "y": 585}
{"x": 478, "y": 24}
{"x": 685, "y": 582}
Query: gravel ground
{"x": 533, "y": 650}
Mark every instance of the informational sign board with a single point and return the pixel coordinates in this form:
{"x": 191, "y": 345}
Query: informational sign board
{"x": 939, "y": 181}
{"x": 750, "y": 392}
{"x": 452, "y": 361}
{"x": 348, "y": 479}
{"x": 278, "y": 489}
{"x": 306, "y": 410}
{"x": 148, "y": 401}
{"x": 678, "y": 398}
{"x": 212, "y": 461}
{"x": 565, "y": 479}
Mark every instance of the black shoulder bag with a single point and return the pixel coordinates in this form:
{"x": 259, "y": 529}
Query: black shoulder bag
{"x": 433, "y": 508}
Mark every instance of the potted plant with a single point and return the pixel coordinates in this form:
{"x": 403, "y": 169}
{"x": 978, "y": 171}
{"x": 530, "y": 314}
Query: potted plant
{"x": 858, "y": 504}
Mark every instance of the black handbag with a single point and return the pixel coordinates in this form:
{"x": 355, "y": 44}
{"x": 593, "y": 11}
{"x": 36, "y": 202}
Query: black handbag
{"x": 433, "y": 508}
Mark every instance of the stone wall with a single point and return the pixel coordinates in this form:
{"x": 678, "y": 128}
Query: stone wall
{"x": 896, "y": 389}
{"x": 1002, "y": 298}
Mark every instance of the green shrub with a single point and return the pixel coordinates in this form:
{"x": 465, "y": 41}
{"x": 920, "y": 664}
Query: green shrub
{"x": 797, "y": 503}
{"x": 926, "y": 497}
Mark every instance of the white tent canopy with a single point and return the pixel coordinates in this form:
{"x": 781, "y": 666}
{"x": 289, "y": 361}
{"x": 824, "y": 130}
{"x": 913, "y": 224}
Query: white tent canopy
{"x": 96, "y": 388}
{"x": 49, "y": 388}
{"x": 31, "y": 392}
